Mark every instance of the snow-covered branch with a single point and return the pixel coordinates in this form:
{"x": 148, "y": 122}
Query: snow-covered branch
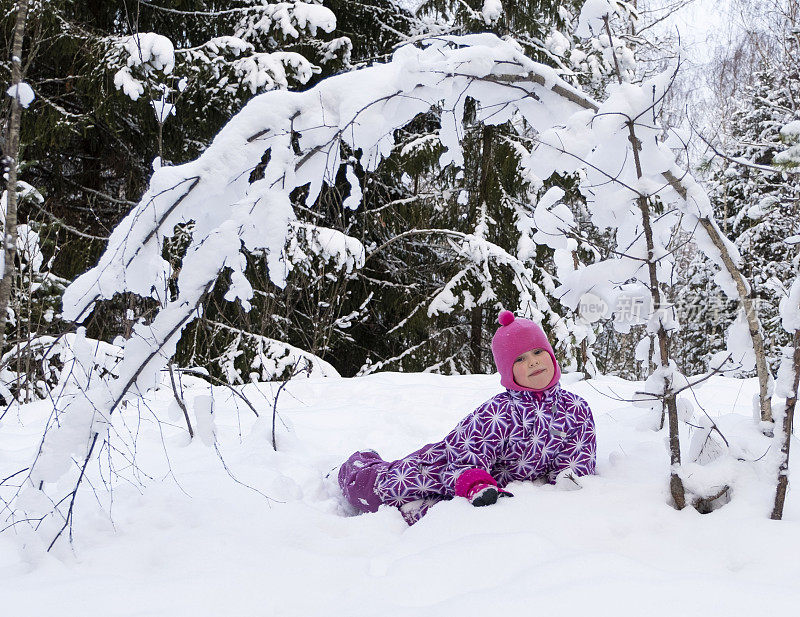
{"x": 309, "y": 136}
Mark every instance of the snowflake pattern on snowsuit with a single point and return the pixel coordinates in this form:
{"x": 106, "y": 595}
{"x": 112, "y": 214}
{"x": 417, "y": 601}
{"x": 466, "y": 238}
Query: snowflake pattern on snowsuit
{"x": 515, "y": 435}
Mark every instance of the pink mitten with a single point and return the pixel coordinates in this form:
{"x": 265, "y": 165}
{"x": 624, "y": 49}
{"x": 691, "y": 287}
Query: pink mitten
{"x": 479, "y": 487}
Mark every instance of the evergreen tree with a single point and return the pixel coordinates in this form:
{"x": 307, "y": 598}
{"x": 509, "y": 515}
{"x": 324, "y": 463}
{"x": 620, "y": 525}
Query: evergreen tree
{"x": 317, "y": 309}
{"x": 757, "y": 206}
{"x": 438, "y": 294}
{"x": 120, "y": 88}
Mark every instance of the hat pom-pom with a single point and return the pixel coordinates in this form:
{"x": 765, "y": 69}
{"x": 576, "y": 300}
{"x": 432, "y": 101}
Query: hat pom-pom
{"x": 505, "y": 317}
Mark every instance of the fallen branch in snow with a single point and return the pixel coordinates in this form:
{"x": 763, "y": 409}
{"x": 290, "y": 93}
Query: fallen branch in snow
{"x": 714, "y": 425}
{"x": 705, "y": 505}
{"x": 688, "y": 386}
{"x": 237, "y": 480}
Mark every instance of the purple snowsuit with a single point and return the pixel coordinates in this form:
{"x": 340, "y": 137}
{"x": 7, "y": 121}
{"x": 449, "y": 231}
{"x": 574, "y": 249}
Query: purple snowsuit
{"x": 513, "y": 436}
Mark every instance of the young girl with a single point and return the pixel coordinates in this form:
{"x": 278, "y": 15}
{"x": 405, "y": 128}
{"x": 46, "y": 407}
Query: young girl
{"x": 534, "y": 429}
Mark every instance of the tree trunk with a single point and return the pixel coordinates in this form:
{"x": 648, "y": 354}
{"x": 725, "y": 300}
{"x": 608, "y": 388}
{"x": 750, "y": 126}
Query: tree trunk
{"x": 670, "y": 402}
{"x": 675, "y": 483}
{"x": 788, "y": 422}
{"x": 476, "y": 338}
{"x": 476, "y": 316}
{"x": 10, "y": 156}
{"x": 753, "y": 322}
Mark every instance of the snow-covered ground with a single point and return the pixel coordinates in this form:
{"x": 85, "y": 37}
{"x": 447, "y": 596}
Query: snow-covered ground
{"x": 195, "y": 542}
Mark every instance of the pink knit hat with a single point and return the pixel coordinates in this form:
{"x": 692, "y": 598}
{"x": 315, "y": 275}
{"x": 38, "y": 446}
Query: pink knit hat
{"x": 513, "y": 338}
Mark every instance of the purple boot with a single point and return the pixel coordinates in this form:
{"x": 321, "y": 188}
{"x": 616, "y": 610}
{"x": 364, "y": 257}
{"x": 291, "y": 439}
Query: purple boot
{"x": 357, "y": 479}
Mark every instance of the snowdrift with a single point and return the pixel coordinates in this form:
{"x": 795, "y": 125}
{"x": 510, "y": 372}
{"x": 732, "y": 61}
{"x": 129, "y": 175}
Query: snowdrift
{"x": 222, "y": 525}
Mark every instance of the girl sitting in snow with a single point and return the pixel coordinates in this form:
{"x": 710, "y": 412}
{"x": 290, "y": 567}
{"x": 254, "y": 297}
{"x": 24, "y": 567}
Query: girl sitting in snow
{"x": 534, "y": 429}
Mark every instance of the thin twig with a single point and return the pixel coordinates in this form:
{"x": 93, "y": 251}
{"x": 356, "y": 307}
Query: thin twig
{"x": 293, "y": 374}
{"x": 68, "y": 519}
{"x": 219, "y": 382}
{"x": 180, "y": 401}
{"x": 16, "y": 473}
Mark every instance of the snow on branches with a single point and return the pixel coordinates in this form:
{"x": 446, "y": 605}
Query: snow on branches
{"x": 147, "y": 51}
{"x": 597, "y": 143}
{"x": 310, "y": 135}
{"x": 304, "y": 133}
{"x": 146, "y": 64}
{"x": 286, "y": 18}
{"x": 491, "y": 11}
{"x": 790, "y": 134}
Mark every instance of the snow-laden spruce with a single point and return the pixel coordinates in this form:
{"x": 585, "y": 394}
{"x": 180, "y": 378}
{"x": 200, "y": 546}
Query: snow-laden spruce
{"x": 149, "y": 58}
{"x": 790, "y": 134}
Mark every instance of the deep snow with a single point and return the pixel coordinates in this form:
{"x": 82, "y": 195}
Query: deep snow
{"x": 195, "y": 542}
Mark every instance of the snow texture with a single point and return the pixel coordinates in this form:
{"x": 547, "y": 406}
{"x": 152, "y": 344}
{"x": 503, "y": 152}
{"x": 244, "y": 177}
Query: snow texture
{"x": 590, "y": 21}
{"x": 152, "y": 49}
{"x": 792, "y": 129}
{"x": 290, "y": 17}
{"x": 346, "y": 253}
{"x": 553, "y": 220}
{"x": 790, "y": 319}
{"x": 153, "y": 52}
{"x": 739, "y": 355}
{"x": 218, "y": 547}
{"x": 784, "y": 383}
{"x": 130, "y": 86}
{"x": 790, "y": 133}
{"x": 790, "y": 308}
{"x": 492, "y": 10}
{"x": 265, "y": 71}
{"x": 163, "y": 109}
{"x": 23, "y": 92}
{"x": 557, "y": 43}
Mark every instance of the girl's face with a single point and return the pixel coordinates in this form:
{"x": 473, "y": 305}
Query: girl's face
{"x": 534, "y": 369}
